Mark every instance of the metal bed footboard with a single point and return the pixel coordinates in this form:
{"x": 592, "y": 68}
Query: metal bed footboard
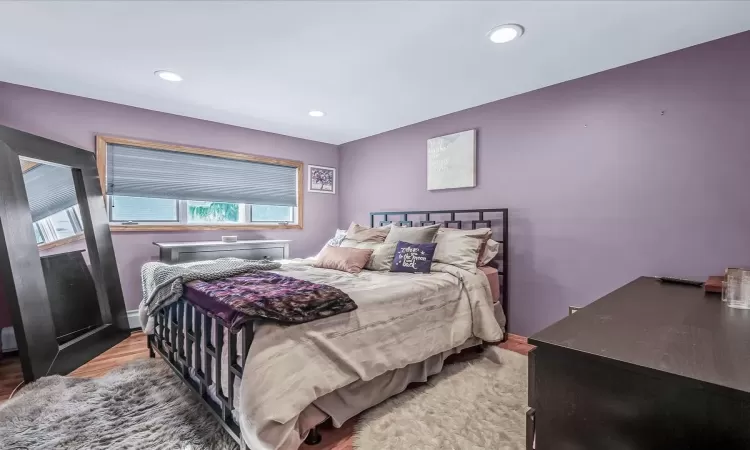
{"x": 179, "y": 332}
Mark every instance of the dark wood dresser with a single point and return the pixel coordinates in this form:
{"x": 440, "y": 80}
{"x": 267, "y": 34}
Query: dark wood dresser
{"x": 649, "y": 366}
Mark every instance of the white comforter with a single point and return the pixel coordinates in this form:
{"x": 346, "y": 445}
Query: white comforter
{"x": 402, "y": 319}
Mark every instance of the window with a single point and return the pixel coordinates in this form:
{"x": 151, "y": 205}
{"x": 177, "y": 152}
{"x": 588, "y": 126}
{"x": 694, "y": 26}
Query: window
{"x": 138, "y": 210}
{"x": 154, "y": 186}
{"x": 270, "y": 213}
{"x": 61, "y": 225}
{"x": 142, "y": 209}
{"x": 52, "y": 202}
{"x": 38, "y": 235}
{"x": 214, "y": 212}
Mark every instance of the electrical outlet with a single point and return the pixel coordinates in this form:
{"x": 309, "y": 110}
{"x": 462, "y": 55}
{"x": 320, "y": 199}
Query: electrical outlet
{"x": 573, "y": 309}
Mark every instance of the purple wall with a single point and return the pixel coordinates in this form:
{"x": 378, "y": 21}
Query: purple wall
{"x": 602, "y": 188}
{"x": 76, "y": 121}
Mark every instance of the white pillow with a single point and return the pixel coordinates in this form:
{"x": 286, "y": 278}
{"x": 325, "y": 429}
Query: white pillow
{"x": 335, "y": 241}
{"x": 491, "y": 250}
{"x": 458, "y": 249}
{"x": 337, "y": 238}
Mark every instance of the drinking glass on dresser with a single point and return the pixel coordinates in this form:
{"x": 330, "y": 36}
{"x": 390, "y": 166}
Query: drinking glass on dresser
{"x": 736, "y": 288}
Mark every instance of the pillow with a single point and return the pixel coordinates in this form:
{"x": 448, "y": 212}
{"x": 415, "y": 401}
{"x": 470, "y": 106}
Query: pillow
{"x": 458, "y": 249}
{"x": 382, "y": 253}
{"x": 335, "y": 241}
{"x": 491, "y": 249}
{"x": 350, "y": 260}
{"x": 413, "y": 258}
{"x": 415, "y": 235}
{"x": 363, "y": 234}
{"x": 480, "y": 233}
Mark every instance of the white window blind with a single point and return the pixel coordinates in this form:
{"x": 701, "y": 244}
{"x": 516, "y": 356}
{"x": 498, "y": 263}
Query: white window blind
{"x": 50, "y": 190}
{"x": 143, "y": 172}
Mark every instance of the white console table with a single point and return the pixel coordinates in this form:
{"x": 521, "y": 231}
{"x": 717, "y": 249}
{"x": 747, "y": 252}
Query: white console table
{"x": 180, "y": 252}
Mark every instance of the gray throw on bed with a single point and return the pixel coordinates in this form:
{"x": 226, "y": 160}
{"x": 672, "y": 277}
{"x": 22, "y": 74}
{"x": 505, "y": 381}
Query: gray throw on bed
{"x": 162, "y": 283}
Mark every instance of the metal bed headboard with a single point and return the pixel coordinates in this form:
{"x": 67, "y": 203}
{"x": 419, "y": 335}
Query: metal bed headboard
{"x": 458, "y": 218}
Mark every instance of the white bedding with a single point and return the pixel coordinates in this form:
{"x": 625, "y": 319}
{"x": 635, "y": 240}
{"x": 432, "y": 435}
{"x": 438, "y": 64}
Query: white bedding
{"x": 402, "y": 319}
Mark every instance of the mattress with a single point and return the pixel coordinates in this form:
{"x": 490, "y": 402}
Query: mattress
{"x": 207, "y": 303}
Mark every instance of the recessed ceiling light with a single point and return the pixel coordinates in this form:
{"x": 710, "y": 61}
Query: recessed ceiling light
{"x": 315, "y": 113}
{"x": 505, "y": 33}
{"x": 167, "y": 75}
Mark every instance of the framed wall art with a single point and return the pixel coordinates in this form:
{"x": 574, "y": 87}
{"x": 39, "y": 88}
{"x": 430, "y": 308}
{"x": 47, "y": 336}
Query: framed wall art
{"x": 321, "y": 179}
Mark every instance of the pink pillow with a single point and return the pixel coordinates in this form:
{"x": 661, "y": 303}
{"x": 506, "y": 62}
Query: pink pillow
{"x": 345, "y": 259}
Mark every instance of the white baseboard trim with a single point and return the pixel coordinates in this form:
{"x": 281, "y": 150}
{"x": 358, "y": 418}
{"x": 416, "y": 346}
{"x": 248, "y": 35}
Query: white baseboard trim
{"x": 8, "y": 338}
{"x": 133, "y": 319}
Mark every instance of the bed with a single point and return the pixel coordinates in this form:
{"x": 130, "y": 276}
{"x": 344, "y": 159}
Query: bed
{"x": 271, "y": 385}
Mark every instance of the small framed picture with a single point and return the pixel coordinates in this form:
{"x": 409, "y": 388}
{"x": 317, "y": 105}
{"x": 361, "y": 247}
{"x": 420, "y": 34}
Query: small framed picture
{"x": 321, "y": 179}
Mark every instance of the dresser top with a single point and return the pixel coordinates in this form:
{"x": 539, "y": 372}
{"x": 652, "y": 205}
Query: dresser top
{"x": 219, "y": 243}
{"x": 666, "y": 327}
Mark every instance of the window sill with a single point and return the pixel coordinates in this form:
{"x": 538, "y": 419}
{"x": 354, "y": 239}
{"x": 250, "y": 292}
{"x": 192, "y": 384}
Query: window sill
{"x": 60, "y": 242}
{"x": 182, "y": 227}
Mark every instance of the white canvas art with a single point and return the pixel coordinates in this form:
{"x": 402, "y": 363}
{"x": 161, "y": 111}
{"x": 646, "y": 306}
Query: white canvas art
{"x": 451, "y": 161}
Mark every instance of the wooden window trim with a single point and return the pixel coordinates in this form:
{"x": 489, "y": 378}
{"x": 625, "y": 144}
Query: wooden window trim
{"x": 60, "y": 242}
{"x": 101, "y": 165}
{"x": 28, "y": 165}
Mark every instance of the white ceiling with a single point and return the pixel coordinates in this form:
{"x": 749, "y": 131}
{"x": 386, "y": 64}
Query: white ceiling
{"x": 371, "y": 66}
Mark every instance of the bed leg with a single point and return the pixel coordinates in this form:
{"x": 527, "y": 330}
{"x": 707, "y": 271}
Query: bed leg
{"x": 151, "y": 353}
{"x": 313, "y": 437}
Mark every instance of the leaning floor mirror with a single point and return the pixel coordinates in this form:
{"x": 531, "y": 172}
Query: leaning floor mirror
{"x": 57, "y": 265}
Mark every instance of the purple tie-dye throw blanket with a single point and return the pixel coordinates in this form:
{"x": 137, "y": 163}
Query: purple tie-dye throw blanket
{"x": 266, "y": 295}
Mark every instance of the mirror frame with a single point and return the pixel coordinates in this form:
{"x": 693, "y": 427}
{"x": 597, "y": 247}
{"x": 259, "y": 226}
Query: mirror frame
{"x": 22, "y": 279}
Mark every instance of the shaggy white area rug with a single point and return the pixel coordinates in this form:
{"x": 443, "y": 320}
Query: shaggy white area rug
{"x": 472, "y": 405}
{"x": 142, "y": 405}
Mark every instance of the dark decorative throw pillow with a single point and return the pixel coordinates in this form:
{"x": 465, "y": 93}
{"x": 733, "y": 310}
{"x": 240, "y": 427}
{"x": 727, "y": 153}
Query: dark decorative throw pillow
{"x": 413, "y": 258}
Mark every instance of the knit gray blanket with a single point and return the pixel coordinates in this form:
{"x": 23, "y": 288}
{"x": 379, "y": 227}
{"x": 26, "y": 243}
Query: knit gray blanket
{"x": 162, "y": 283}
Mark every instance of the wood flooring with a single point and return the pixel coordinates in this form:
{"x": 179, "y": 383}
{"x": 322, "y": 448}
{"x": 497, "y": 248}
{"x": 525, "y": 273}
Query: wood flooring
{"x": 135, "y": 347}
{"x": 131, "y": 348}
